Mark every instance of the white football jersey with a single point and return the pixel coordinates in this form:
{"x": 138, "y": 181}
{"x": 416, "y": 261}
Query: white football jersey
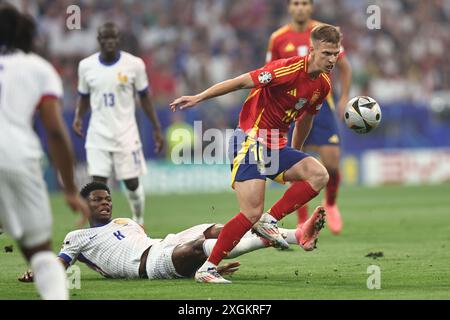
{"x": 114, "y": 250}
{"x": 25, "y": 80}
{"x": 112, "y": 90}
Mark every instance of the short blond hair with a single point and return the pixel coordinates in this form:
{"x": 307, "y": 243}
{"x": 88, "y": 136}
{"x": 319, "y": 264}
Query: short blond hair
{"x": 326, "y": 33}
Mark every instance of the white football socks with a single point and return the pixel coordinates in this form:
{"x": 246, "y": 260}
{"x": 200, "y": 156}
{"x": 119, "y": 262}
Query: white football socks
{"x": 136, "y": 199}
{"x": 289, "y": 235}
{"x": 249, "y": 242}
{"x": 246, "y": 245}
{"x": 49, "y": 276}
{"x": 207, "y": 264}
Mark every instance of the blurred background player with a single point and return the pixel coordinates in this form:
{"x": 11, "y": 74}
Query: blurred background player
{"x": 119, "y": 248}
{"x": 292, "y": 40}
{"x": 28, "y": 84}
{"x": 259, "y": 144}
{"x": 107, "y": 82}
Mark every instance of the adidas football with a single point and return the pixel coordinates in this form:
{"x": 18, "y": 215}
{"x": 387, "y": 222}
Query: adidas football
{"x": 362, "y": 114}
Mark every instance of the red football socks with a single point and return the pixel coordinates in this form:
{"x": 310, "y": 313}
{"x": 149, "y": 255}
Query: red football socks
{"x": 302, "y": 214}
{"x": 332, "y": 188}
{"x": 229, "y": 237}
{"x": 298, "y": 194}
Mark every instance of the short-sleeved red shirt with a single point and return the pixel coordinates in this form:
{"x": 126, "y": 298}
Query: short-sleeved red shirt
{"x": 283, "y": 92}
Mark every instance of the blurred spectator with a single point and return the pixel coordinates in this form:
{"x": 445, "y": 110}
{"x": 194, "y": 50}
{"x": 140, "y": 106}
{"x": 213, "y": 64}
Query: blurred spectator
{"x": 188, "y": 45}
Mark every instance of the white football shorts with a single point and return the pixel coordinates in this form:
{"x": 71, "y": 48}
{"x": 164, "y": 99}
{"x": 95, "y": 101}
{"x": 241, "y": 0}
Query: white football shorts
{"x": 159, "y": 260}
{"x": 24, "y": 206}
{"x": 125, "y": 165}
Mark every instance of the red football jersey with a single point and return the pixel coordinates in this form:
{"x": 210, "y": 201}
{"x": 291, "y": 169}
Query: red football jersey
{"x": 283, "y": 92}
{"x": 286, "y": 42}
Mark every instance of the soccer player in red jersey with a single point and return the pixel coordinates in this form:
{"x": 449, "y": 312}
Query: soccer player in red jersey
{"x": 293, "y": 40}
{"x": 284, "y": 91}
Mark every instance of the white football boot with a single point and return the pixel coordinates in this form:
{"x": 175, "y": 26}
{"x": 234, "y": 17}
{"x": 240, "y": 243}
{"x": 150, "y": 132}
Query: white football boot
{"x": 210, "y": 275}
{"x": 267, "y": 228}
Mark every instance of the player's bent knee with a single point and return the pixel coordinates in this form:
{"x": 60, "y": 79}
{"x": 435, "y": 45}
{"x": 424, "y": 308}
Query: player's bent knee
{"x": 213, "y": 231}
{"x": 322, "y": 178}
{"x": 188, "y": 257}
{"x": 132, "y": 184}
{"x": 319, "y": 178}
{"x": 191, "y": 250}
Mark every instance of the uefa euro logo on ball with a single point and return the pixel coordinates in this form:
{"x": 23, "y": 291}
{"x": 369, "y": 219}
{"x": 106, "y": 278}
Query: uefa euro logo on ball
{"x": 362, "y": 114}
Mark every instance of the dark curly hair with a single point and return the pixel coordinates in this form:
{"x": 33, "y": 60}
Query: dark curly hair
{"x": 93, "y": 186}
{"x": 17, "y": 31}
{"x": 9, "y": 23}
{"x": 26, "y": 33}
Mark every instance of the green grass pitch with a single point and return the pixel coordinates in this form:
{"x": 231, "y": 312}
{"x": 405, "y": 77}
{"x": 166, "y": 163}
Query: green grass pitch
{"x": 410, "y": 225}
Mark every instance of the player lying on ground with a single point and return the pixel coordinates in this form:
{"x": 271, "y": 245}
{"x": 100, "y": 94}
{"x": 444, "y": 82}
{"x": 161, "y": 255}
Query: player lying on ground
{"x": 119, "y": 248}
{"x": 283, "y": 91}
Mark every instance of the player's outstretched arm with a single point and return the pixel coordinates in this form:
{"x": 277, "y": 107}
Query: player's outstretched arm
{"x": 345, "y": 79}
{"x": 83, "y": 103}
{"x": 243, "y": 81}
{"x": 301, "y": 130}
{"x": 147, "y": 105}
{"x": 61, "y": 153}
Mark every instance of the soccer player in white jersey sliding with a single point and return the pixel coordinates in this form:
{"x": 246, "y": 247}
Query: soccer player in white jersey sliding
{"x": 119, "y": 248}
{"x": 107, "y": 83}
{"x": 29, "y": 85}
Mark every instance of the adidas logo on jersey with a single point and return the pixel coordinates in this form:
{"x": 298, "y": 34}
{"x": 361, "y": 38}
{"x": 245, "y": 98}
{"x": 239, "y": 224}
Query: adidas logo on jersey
{"x": 293, "y": 92}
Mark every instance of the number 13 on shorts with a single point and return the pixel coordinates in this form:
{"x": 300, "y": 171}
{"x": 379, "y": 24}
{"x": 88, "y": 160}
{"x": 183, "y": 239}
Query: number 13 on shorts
{"x": 137, "y": 157}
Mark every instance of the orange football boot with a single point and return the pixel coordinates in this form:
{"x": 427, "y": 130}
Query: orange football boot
{"x": 334, "y": 219}
{"x": 309, "y": 231}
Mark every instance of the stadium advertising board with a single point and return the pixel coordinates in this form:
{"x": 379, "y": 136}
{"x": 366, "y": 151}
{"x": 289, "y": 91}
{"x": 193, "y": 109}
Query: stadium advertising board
{"x": 410, "y": 167}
